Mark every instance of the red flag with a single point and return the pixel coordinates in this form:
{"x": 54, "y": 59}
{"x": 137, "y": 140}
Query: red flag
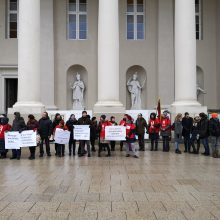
{"x": 159, "y": 109}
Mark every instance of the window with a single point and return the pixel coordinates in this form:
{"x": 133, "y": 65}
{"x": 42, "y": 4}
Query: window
{"x": 12, "y": 19}
{"x": 135, "y": 20}
{"x": 77, "y": 19}
{"x": 198, "y": 7}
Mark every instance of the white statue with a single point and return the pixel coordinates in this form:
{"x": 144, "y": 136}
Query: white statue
{"x": 78, "y": 93}
{"x": 135, "y": 88}
{"x": 199, "y": 90}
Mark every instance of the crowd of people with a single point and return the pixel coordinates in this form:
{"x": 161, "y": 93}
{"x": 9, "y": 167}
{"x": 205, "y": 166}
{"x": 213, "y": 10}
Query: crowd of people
{"x": 187, "y": 130}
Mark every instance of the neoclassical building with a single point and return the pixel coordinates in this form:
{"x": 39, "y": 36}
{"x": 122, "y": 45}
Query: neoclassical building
{"x": 172, "y": 45}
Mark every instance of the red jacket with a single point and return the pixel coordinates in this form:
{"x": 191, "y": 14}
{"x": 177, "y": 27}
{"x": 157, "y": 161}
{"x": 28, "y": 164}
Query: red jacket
{"x": 165, "y": 124}
{"x": 130, "y": 131}
{"x": 3, "y": 129}
{"x": 154, "y": 126}
{"x": 58, "y": 126}
{"x": 122, "y": 123}
{"x": 102, "y": 126}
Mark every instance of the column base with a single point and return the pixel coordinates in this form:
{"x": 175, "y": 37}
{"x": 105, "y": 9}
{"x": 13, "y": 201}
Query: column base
{"x": 27, "y": 108}
{"x": 192, "y": 103}
{"x": 109, "y": 107}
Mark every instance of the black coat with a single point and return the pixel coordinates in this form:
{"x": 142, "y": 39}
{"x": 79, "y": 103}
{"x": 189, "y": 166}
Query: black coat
{"x": 84, "y": 121}
{"x": 70, "y": 124}
{"x": 187, "y": 124}
{"x": 214, "y": 127}
{"x": 203, "y": 128}
{"x": 18, "y": 124}
{"x": 45, "y": 128}
{"x": 94, "y": 131}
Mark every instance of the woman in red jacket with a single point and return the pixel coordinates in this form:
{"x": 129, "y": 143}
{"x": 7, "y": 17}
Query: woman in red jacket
{"x": 4, "y": 127}
{"x": 153, "y": 131}
{"x": 130, "y": 136}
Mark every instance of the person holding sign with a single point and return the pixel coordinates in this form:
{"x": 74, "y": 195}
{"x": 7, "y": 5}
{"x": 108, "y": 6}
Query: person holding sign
{"x": 17, "y": 125}
{"x": 114, "y": 123}
{"x": 130, "y": 136}
{"x": 102, "y": 142}
{"x": 32, "y": 124}
{"x": 4, "y": 127}
{"x": 60, "y": 147}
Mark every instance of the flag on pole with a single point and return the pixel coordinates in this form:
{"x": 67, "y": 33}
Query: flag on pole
{"x": 159, "y": 109}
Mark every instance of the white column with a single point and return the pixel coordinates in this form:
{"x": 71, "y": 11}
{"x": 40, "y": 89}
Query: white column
{"x": 185, "y": 54}
{"x": 29, "y": 99}
{"x": 108, "y": 56}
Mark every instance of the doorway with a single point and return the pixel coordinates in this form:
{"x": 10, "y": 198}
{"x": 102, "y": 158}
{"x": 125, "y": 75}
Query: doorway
{"x": 11, "y": 92}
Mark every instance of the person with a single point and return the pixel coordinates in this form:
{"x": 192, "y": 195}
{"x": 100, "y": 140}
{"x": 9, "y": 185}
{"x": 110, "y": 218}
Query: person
{"x": 195, "y": 136}
{"x": 93, "y": 133}
{"x": 70, "y": 125}
{"x": 102, "y": 142}
{"x": 45, "y": 130}
{"x": 178, "y": 129}
{"x": 153, "y": 131}
{"x": 165, "y": 131}
{"x": 17, "y": 125}
{"x": 214, "y": 130}
{"x": 130, "y": 137}
{"x": 113, "y": 123}
{"x": 60, "y": 147}
{"x": 4, "y": 127}
{"x": 204, "y": 132}
{"x": 141, "y": 125}
{"x": 32, "y": 124}
{"x": 187, "y": 123}
{"x": 56, "y": 122}
{"x": 84, "y": 120}
{"x": 122, "y": 123}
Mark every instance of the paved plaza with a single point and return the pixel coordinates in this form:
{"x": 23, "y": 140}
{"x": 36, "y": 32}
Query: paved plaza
{"x": 156, "y": 186}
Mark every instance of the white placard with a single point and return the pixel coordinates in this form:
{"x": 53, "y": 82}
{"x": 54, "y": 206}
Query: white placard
{"x": 81, "y": 132}
{"x": 115, "y": 133}
{"x": 62, "y": 136}
{"x": 28, "y": 138}
{"x": 12, "y": 140}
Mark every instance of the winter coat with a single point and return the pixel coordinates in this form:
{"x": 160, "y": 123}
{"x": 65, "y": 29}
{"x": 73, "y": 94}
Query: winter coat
{"x": 94, "y": 131}
{"x": 203, "y": 128}
{"x": 187, "y": 124}
{"x": 154, "y": 126}
{"x": 56, "y": 121}
{"x": 101, "y": 128}
{"x": 165, "y": 127}
{"x": 214, "y": 127}
{"x": 3, "y": 129}
{"x": 178, "y": 128}
{"x": 70, "y": 125}
{"x": 130, "y": 132}
{"x": 84, "y": 121}
{"x": 141, "y": 124}
{"x": 45, "y": 128}
{"x": 32, "y": 125}
{"x": 18, "y": 123}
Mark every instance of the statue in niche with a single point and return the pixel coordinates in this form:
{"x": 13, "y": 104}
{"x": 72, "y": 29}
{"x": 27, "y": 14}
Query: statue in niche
{"x": 134, "y": 87}
{"x": 199, "y": 90}
{"x": 78, "y": 88}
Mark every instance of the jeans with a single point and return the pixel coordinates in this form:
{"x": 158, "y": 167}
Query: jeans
{"x": 16, "y": 153}
{"x": 47, "y": 142}
{"x": 215, "y": 142}
{"x": 187, "y": 143}
{"x": 72, "y": 144}
{"x": 60, "y": 149}
{"x": 205, "y": 143}
{"x": 82, "y": 146}
{"x": 166, "y": 146}
{"x": 130, "y": 146}
{"x": 141, "y": 141}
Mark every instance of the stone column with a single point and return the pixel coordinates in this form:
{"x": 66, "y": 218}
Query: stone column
{"x": 185, "y": 57}
{"x": 29, "y": 90}
{"x": 108, "y": 58}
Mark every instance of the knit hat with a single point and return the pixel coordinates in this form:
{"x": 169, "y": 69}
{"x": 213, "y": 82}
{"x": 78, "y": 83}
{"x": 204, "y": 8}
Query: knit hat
{"x": 214, "y": 115}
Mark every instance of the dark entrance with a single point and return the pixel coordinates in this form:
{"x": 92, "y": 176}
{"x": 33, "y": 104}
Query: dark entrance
{"x": 11, "y": 92}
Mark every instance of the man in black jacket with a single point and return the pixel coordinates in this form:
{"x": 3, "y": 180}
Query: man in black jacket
{"x": 45, "y": 131}
{"x": 17, "y": 125}
{"x": 214, "y": 130}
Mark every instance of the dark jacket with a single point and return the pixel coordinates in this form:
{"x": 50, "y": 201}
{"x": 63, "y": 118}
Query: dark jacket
{"x": 94, "y": 133}
{"x": 203, "y": 128}
{"x": 187, "y": 124}
{"x": 141, "y": 124}
{"x": 70, "y": 124}
{"x": 56, "y": 121}
{"x": 18, "y": 123}
{"x": 214, "y": 127}
{"x": 45, "y": 127}
{"x": 84, "y": 121}
{"x": 32, "y": 125}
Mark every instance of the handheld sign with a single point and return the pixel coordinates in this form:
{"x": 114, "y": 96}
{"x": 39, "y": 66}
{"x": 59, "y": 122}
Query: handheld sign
{"x": 115, "y": 133}
{"x": 12, "y": 140}
{"x": 81, "y": 132}
{"x": 62, "y": 136}
{"x": 28, "y": 138}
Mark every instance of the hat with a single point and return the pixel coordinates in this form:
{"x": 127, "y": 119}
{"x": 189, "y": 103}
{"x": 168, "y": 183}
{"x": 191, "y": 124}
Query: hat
{"x": 214, "y": 115}
{"x": 103, "y": 117}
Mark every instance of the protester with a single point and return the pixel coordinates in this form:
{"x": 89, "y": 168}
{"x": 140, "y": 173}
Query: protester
{"x": 113, "y": 123}
{"x": 153, "y": 131}
{"x": 130, "y": 137}
{"x": 102, "y": 142}
{"x": 93, "y": 133}
{"x": 141, "y": 125}
{"x": 178, "y": 128}
{"x": 32, "y": 124}
{"x": 84, "y": 120}
{"x": 204, "y": 132}
{"x": 70, "y": 125}
{"x": 4, "y": 127}
{"x": 17, "y": 125}
{"x": 122, "y": 123}
{"x": 195, "y": 136}
{"x": 187, "y": 123}
{"x": 56, "y": 122}
{"x": 214, "y": 130}
{"x": 45, "y": 131}
{"x": 165, "y": 131}
{"x": 60, "y": 147}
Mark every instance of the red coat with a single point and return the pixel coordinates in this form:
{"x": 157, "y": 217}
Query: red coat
{"x": 102, "y": 126}
{"x": 3, "y": 129}
{"x": 58, "y": 126}
{"x": 130, "y": 131}
{"x": 154, "y": 126}
{"x": 165, "y": 127}
{"x": 122, "y": 123}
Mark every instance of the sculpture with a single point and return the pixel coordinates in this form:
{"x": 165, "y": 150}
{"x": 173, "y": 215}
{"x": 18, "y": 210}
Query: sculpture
{"x": 199, "y": 90}
{"x": 78, "y": 93}
{"x": 134, "y": 87}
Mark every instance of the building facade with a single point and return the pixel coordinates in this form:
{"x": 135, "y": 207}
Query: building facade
{"x": 173, "y": 45}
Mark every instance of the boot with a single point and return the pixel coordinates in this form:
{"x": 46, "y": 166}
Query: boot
{"x": 156, "y": 146}
{"x": 214, "y": 154}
